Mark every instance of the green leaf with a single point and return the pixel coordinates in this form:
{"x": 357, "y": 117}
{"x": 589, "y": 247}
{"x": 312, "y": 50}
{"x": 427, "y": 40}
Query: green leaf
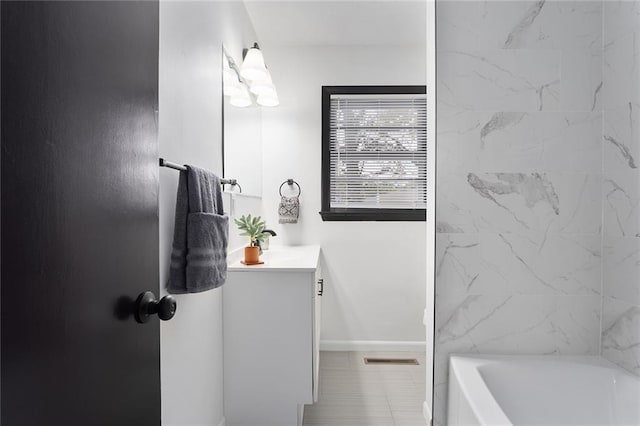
{"x": 252, "y": 227}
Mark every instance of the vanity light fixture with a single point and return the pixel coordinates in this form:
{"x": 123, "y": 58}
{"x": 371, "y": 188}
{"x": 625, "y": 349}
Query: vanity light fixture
{"x": 231, "y": 85}
{"x": 268, "y": 100}
{"x": 249, "y": 83}
{"x": 264, "y": 86}
{"x": 242, "y": 99}
{"x": 259, "y": 78}
{"x": 253, "y": 65}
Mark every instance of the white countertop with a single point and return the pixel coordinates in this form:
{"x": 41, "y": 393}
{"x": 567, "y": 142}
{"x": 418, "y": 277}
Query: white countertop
{"x": 278, "y": 259}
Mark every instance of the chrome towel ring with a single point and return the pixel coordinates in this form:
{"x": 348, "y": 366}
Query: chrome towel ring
{"x": 290, "y": 182}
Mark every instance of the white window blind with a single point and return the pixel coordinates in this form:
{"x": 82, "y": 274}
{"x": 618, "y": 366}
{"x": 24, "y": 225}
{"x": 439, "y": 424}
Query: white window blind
{"x": 378, "y": 151}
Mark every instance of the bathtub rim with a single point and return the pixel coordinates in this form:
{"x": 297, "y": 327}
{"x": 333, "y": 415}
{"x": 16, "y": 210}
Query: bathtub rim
{"x": 484, "y": 405}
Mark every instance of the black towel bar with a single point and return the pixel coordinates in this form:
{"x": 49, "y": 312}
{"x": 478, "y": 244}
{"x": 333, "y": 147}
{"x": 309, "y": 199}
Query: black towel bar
{"x": 169, "y": 164}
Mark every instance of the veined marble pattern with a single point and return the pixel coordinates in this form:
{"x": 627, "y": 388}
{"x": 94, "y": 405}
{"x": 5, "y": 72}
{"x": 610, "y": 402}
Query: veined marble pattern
{"x": 520, "y": 25}
{"x": 621, "y": 334}
{"x": 513, "y": 324}
{"x": 509, "y": 264}
{"x": 525, "y": 324}
{"x": 521, "y": 93}
{"x": 620, "y": 71}
{"x": 621, "y": 17}
{"x": 490, "y": 299}
{"x": 511, "y": 80}
{"x": 519, "y": 202}
{"x": 621, "y": 184}
{"x": 517, "y": 53}
{"x": 622, "y": 269}
{"x": 583, "y": 89}
{"x": 622, "y": 137}
{"x": 521, "y": 80}
{"x": 621, "y": 165}
{"x": 621, "y": 202}
{"x": 519, "y": 142}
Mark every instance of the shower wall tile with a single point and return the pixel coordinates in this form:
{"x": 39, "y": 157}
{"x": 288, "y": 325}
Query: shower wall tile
{"x": 620, "y": 17}
{"x": 621, "y": 184}
{"x": 528, "y": 203}
{"x": 511, "y": 324}
{"x": 621, "y": 203}
{"x": 520, "y": 324}
{"x": 521, "y": 80}
{"x": 512, "y": 264}
{"x": 622, "y": 269}
{"x": 519, "y": 141}
{"x": 558, "y": 24}
{"x": 621, "y": 144}
{"x": 620, "y": 71}
{"x": 499, "y": 79}
{"x": 581, "y": 87}
{"x": 519, "y": 25}
{"x": 621, "y": 168}
{"x": 541, "y": 264}
{"x": 519, "y": 265}
{"x": 621, "y": 334}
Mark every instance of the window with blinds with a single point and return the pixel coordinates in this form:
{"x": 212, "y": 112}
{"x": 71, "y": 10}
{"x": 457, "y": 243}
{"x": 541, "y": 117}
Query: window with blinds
{"x": 374, "y": 153}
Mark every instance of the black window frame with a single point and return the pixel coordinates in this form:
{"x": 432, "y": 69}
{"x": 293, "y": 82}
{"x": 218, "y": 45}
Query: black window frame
{"x": 359, "y": 214}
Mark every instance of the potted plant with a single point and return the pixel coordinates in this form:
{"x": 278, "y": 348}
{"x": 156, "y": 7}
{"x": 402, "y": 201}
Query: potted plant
{"x": 252, "y": 227}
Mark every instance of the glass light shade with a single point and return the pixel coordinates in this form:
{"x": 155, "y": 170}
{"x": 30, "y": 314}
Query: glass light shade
{"x": 253, "y": 66}
{"x": 264, "y": 86}
{"x": 269, "y": 100}
{"x": 242, "y": 99}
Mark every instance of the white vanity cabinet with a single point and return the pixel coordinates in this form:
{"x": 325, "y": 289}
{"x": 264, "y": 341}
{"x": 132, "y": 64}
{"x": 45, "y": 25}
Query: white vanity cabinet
{"x": 271, "y": 322}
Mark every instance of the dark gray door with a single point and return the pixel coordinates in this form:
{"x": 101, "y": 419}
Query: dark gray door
{"x": 79, "y": 213}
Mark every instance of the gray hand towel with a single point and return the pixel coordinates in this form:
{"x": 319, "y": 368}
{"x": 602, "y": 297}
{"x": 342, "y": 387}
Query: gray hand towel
{"x": 289, "y": 209}
{"x": 201, "y": 234}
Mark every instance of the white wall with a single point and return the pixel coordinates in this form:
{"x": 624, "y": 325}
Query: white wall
{"x": 374, "y": 271}
{"x": 191, "y": 38}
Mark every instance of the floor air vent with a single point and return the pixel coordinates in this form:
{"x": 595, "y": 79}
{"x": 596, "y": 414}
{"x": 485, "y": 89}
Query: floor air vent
{"x": 391, "y": 361}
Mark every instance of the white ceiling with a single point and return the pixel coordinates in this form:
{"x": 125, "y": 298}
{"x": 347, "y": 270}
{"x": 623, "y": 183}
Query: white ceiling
{"x": 338, "y": 23}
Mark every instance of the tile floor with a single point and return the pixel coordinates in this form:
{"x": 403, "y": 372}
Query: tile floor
{"x": 352, "y": 393}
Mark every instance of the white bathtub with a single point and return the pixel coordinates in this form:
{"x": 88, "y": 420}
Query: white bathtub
{"x": 540, "y": 390}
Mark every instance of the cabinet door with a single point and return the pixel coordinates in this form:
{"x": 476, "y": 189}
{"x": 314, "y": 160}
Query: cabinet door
{"x": 317, "y": 319}
{"x": 268, "y": 343}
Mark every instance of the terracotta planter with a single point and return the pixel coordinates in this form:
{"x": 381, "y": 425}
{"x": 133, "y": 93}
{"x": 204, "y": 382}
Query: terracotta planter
{"x": 251, "y": 255}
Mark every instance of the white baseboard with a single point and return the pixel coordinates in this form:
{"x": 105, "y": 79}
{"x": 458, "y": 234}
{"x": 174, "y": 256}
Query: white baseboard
{"x": 223, "y": 422}
{"x": 426, "y": 412}
{"x": 373, "y": 345}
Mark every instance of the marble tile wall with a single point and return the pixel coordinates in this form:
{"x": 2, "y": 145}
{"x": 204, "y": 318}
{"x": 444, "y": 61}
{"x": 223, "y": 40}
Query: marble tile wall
{"x": 621, "y": 184}
{"x": 520, "y": 186}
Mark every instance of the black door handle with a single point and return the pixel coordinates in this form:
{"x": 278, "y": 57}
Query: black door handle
{"x": 321, "y": 290}
{"x": 147, "y": 305}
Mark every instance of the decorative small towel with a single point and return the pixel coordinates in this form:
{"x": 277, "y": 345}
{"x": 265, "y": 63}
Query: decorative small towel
{"x": 201, "y": 234}
{"x": 289, "y": 209}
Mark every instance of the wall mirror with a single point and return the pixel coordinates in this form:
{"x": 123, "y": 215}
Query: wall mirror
{"x": 241, "y": 135}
